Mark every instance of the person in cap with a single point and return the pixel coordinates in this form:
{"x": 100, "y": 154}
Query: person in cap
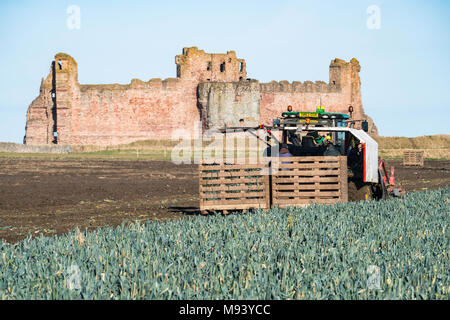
{"x": 284, "y": 151}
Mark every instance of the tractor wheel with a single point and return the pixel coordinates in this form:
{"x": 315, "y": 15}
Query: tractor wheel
{"x": 352, "y": 191}
{"x": 365, "y": 192}
{"x": 358, "y": 191}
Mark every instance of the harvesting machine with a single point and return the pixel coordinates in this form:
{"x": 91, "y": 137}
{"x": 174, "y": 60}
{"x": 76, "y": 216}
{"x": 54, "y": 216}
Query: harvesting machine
{"x": 323, "y": 133}
{"x": 321, "y": 158}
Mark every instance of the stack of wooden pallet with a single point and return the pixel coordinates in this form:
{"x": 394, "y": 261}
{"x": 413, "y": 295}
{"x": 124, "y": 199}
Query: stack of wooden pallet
{"x": 305, "y": 180}
{"x": 413, "y": 158}
{"x": 288, "y": 181}
{"x": 225, "y": 187}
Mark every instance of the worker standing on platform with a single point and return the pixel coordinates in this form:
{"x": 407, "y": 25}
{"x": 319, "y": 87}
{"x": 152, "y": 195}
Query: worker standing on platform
{"x": 284, "y": 151}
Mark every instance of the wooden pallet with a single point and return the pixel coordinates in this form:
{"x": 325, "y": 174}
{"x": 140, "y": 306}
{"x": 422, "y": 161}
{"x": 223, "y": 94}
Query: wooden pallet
{"x": 305, "y": 180}
{"x": 227, "y": 187}
{"x": 413, "y": 158}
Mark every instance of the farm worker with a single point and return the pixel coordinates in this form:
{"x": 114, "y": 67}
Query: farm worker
{"x": 317, "y": 139}
{"x": 284, "y": 152}
{"x": 331, "y": 150}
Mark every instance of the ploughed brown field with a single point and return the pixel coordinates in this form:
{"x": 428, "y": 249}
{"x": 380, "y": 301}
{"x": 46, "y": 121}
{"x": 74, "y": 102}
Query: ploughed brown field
{"x": 49, "y": 197}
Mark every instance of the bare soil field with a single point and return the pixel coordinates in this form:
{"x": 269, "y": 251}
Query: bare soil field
{"x": 55, "y": 196}
{"x": 49, "y": 197}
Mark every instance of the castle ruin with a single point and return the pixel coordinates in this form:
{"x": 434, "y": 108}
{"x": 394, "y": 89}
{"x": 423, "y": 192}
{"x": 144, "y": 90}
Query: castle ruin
{"x": 212, "y": 88}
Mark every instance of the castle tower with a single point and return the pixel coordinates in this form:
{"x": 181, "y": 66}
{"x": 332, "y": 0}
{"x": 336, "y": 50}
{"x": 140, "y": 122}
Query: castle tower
{"x": 345, "y": 75}
{"x": 65, "y": 82}
{"x": 196, "y": 65}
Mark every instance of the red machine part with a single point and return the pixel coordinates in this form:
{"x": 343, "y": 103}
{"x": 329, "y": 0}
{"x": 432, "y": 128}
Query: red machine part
{"x": 392, "y": 177}
{"x": 382, "y": 167}
{"x": 364, "y": 161}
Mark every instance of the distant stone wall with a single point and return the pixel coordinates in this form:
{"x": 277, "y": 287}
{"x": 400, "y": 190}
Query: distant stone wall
{"x": 22, "y": 148}
{"x": 211, "y": 88}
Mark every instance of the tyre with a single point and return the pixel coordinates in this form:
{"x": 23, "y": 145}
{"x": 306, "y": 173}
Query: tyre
{"x": 358, "y": 191}
{"x": 365, "y": 192}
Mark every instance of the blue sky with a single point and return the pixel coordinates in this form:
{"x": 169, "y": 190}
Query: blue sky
{"x": 405, "y": 63}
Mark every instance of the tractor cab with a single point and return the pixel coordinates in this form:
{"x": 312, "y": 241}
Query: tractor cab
{"x": 323, "y": 133}
{"x": 304, "y": 131}
{"x": 327, "y": 160}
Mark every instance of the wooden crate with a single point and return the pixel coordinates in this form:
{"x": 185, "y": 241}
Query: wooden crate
{"x": 413, "y": 158}
{"x": 305, "y": 180}
{"x": 225, "y": 187}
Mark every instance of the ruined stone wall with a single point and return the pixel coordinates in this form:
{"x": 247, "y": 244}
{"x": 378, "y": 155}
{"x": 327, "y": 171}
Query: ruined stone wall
{"x": 49, "y": 115}
{"x": 39, "y": 115}
{"x": 276, "y": 96}
{"x": 199, "y": 66}
{"x": 116, "y": 114}
{"x": 69, "y": 113}
{"x": 209, "y": 87}
{"x": 23, "y": 148}
{"x": 37, "y": 120}
{"x": 229, "y": 104}
{"x": 343, "y": 90}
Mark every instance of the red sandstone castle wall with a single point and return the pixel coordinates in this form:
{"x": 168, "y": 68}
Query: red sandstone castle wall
{"x": 335, "y": 96}
{"x": 116, "y": 114}
{"x": 142, "y": 110}
{"x": 275, "y": 101}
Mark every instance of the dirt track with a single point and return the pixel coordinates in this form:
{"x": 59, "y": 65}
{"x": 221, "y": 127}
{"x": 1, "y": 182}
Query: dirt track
{"x": 53, "y": 197}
